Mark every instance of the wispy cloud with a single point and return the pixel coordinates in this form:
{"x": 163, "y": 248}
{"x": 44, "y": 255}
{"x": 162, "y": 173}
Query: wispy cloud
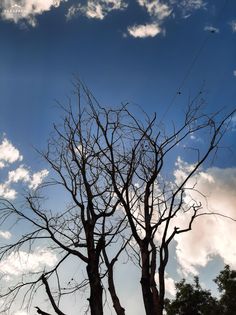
{"x": 96, "y": 9}
{"x": 26, "y": 10}
{"x": 143, "y": 31}
{"x": 73, "y": 11}
{"x": 188, "y": 6}
{"x": 156, "y": 8}
{"x": 5, "y": 234}
{"x": 212, "y": 29}
{"x": 22, "y": 262}
{"x": 159, "y": 11}
{"x": 233, "y": 26}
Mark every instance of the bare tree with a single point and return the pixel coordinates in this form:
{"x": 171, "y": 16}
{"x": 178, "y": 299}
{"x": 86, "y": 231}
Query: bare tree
{"x": 112, "y": 165}
{"x": 92, "y": 221}
{"x": 137, "y": 152}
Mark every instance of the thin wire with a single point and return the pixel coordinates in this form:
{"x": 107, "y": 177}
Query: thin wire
{"x": 192, "y": 64}
{"x": 188, "y": 72}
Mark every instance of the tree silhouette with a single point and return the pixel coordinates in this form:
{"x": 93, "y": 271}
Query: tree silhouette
{"x": 192, "y": 299}
{"x": 39, "y": 311}
{"x": 111, "y": 164}
{"x": 226, "y": 282}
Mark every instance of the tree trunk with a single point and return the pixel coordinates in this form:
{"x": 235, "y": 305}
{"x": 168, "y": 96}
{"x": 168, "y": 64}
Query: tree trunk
{"x": 111, "y": 287}
{"x": 149, "y": 291}
{"x": 161, "y": 286}
{"x": 96, "y": 290}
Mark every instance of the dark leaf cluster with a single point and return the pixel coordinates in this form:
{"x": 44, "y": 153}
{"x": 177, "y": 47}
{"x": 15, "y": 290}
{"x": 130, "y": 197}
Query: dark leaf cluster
{"x": 193, "y": 299}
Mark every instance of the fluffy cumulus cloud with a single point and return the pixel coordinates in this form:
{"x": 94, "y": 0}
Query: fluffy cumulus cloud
{"x": 37, "y": 178}
{"x": 7, "y": 192}
{"x": 8, "y": 153}
{"x": 146, "y": 30}
{"x": 21, "y": 262}
{"x": 211, "y": 235}
{"x": 26, "y": 10}
{"x": 96, "y": 9}
{"x": 158, "y": 12}
{"x": 21, "y": 174}
{"x": 170, "y": 285}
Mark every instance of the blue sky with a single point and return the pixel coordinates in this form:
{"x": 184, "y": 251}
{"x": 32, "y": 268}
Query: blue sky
{"x": 142, "y": 52}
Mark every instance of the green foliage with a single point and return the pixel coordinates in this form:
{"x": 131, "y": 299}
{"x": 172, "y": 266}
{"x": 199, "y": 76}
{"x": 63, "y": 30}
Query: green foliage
{"x": 226, "y": 282}
{"x": 191, "y": 299}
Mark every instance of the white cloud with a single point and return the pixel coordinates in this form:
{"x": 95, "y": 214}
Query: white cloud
{"x": 72, "y": 11}
{"x": 182, "y": 168}
{"x": 211, "y": 29}
{"x": 17, "y": 10}
{"x": 233, "y": 26}
{"x": 211, "y": 235}
{"x": 146, "y": 30}
{"x": 7, "y": 192}
{"x": 163, "y": 9}
{"x": 37, "y": 179}
{"x": 8, "y": 153}
{"x": 170, "y": 285}
{"x": 5, "y": 234}
{"x": 195, "y": 138}
{"x": 159, "y": 11}
{"x": 156, "y": 9}
{"x": 28, "y": 10}
{"x": 189, "y": 5}
{"x": 20, "y": 174}
{"x": 21, "y": 262}
{"x": 21, "y": 313}
{"x": 234, "y": 73}
{"x": 96, "y": 9}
